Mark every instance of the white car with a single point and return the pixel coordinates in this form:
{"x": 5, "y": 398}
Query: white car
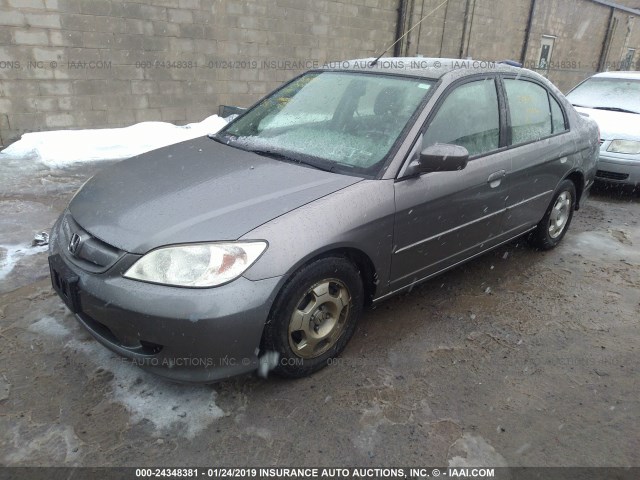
{"x": 612, "y": 99}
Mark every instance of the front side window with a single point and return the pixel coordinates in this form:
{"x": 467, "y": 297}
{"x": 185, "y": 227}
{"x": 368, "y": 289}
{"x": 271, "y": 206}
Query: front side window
{"x": 468, "y": 117}
{"x": 529, "y": 110}
{"x": 338, "y": 121}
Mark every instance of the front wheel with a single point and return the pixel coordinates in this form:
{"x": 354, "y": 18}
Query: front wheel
{"x": 314, "y": 316}
{"x": 557, "y": 218}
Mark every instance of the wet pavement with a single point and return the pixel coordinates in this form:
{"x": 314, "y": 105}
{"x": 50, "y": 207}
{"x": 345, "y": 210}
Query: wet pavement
{"x": 516, "y": 358}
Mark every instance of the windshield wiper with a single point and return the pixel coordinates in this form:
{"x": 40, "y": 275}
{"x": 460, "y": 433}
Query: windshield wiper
{"x": 616, "y": 109}
{"x": 611, "y": 109}
{"x": 327, "y": 166}
{"x": 283, "y": 156}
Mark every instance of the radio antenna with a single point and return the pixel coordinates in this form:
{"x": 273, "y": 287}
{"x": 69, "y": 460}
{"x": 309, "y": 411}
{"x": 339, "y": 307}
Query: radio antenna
{"x": 373, "y": 64}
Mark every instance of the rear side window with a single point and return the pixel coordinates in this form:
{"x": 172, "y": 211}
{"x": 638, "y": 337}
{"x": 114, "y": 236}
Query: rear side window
{"x": 529, "y": 110}
{"x": 557, "y": 117}
{"x": 468, "y": 117}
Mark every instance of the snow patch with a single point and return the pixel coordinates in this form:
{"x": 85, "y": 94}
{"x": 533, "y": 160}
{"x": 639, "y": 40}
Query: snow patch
{"x": 369, "y": 438}
{"x": 184, "y": 410}
{"x": 13, "y": 254}
{"x": 59, "y": 442}
{"x": 49, "y": 326}
{"x": 60, "y": 148}
{"x": 616, "y": 244}
{"x": 474, "y": 451}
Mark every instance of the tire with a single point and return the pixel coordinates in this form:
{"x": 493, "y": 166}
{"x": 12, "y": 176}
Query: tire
{"x": 555, "y": 223}
{"x": 314, "y": 316}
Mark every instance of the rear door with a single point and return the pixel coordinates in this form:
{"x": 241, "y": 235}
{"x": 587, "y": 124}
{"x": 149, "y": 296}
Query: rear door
{"x": 542, "y": 156}
{"x": 445, "y": 217}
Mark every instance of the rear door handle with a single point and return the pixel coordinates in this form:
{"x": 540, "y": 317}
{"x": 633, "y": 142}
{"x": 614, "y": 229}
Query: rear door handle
{"x": 495, "y": 178}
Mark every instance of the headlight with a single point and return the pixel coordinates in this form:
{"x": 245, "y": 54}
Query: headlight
{"x": 624, "y": 146}
{"x": 197, "y": 265}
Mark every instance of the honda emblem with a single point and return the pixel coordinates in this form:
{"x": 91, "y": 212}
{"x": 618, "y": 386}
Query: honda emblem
{"x": 74, "y": 244}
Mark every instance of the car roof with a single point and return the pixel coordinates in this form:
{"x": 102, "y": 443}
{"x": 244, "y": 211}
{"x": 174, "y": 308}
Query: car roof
{"x": 429, "y": 68}
{"x": 625, "y": 75}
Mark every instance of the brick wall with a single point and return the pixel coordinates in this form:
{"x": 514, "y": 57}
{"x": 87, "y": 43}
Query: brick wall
{"x": 498, "y": 33}
{"x": 101, "y": 63}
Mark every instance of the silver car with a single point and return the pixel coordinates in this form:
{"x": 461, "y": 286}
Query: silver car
{"x": 612, "y": 99}
{"x": 259, "y": 246}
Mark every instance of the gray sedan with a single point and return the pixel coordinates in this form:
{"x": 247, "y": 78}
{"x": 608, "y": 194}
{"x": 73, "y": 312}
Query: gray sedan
{"x": 612, "y": 99}
{"x": 259, "y": 246}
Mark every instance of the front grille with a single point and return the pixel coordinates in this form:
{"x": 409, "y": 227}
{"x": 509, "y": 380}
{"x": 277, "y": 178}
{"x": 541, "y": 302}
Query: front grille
{"x": 92, "y": 254}
{"x": 612, "y": 175}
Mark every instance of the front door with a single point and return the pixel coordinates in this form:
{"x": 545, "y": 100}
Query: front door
{"x": 443, "y": 218}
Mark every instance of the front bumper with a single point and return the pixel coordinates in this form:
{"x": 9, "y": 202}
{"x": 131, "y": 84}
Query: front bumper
{"x": 618, "y": 168}
{"x": 187, "y": 335}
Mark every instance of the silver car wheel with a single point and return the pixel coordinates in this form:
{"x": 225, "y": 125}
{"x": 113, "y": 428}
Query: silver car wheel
{"x": 560, "y": 214}
{"x": 319, "y": 318}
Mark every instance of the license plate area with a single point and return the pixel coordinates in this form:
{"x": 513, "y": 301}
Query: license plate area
{"x": 65, "y": 283}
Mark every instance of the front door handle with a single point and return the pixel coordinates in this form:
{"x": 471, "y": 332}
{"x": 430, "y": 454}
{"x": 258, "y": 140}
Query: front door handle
{"x": 495, "y": 178}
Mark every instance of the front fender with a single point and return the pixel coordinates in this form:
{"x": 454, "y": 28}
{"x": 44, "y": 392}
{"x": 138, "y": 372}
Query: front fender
{"x": 358, "y": 217}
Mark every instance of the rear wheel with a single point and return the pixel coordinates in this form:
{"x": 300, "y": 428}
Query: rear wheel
{"x": 555, "y": 223}
{"x": 314, "y": 316}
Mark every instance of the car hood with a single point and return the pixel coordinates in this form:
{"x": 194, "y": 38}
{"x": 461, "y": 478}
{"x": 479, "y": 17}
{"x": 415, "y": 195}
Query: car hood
{"x": 615, "y": 125}
{"x": 195, "y": 191}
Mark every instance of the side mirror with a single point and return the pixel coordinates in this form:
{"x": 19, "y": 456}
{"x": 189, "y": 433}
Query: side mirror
{"x": 439, "y": 158}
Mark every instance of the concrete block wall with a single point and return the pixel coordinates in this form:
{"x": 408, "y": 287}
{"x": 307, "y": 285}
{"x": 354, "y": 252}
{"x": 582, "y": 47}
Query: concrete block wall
{"x": 579, "y": 31}
{"x": 108, "y": 63}
{"x": 453, "y": 29}
{"x": 497, "y": 32}
{"x": 626, "y": 34}
{"x": 426, "y": 39}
